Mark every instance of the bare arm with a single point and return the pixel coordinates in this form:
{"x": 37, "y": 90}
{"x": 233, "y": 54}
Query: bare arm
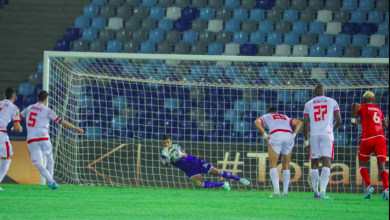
{"x": 259, "y": 126}
{"x": 354, "y": 110}
{"x": 184, "y": 154}
{"x": 70, "y": 126}
{"x": 166, "y": 164}
{"x": 17, "y": 127}
{"x": 338, "y": 120}
{"x": 306, "y": 127}
{"x": 298, "y": 124}
{"x": 384, "y": 125}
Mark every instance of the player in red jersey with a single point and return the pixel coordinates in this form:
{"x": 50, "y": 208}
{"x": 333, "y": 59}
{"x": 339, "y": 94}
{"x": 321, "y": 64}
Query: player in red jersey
{"x": 373, "y": 139}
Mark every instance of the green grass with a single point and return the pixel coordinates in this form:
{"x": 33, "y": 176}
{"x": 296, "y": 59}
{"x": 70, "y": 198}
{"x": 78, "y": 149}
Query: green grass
{"x": 77, "y": 202}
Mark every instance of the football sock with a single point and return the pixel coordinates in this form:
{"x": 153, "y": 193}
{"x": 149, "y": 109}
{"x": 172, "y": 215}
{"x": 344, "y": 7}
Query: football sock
{"x": 365, "y": 176}
{"x": 4, "y": 168}
{"x": 314, "y": 179}
{"x": 50, "y": 164}
{"x": 229, "y": 176}
{"x": 45, "y": 172}
{"x": 208, "y": 184}
{"x": 286, "y": 180}
{"x": 324, "y": 179}
{"x": 275, "y": 180}
{"x": 385, "y": 179}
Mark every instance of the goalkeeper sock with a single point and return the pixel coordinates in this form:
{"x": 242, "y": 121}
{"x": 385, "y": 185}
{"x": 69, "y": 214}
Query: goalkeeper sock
{"x": 208, "y": 184}
{"x": 275, "y": 180}
{"x": 229, "y": 176}
{"x": 365, "y": 176}
{"x": 45, "y": 172}
{"x": 324, "y": 179}
{"x": 4, "y": 168}
{"x": 286, "y": 180}
{"x": 314, "y": 179}
{"x": 50, "y": 164}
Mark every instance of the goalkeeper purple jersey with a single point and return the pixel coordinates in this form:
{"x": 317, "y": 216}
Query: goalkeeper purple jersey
{"x": 184, "y": 164}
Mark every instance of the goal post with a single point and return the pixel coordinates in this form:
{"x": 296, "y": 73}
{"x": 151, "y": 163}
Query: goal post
{"x": 208, "y": 104}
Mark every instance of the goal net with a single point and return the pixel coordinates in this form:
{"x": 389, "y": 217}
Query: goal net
{"x": 208, "y": 104}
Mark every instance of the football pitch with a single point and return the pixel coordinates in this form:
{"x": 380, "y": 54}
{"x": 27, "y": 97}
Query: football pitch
{"x": 82, "y": 202}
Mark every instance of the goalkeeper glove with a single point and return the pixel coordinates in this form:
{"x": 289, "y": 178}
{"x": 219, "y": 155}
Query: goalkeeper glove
{"x": 165, "y": 152}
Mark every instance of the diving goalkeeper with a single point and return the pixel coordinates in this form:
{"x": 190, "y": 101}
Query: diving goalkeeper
{"x": 194, "y": 167}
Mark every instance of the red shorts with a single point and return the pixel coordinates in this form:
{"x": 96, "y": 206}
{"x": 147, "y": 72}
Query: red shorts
{"x": 377, "y": 145}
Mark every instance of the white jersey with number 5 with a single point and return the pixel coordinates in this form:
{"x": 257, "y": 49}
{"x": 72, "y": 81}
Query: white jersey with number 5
{"x": 38, "y": 119}
{"x": 321, "y": 111}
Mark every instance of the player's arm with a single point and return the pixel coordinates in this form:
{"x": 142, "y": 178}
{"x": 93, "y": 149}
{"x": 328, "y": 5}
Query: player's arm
{"x": 306, "y": 128}
{"x": 339, "y": 121}
{"x": 354, "y": 110}
{"x": 184, "y": 154}
{"x": 384, "y": 125}
{"x": 298, "y": 125}
{"x": 16, "y": 117}
{"x": 259, "y": 126}
{"x": 70, "y": 126}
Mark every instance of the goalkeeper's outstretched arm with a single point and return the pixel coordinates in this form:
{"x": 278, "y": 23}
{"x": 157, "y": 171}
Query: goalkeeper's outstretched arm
{"x": 70, "y": 126}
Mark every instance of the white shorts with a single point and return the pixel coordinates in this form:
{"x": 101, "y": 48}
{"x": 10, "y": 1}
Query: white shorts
{"x": 321, "y": 146}
{"x": 37, "y": 149}
{"x": 5, "y": 146}
{"x": 282, "y": 142}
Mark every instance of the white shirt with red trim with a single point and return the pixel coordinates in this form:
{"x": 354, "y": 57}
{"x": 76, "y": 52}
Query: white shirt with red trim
{"x": 321, "y": 111}
{"x": 8, "y": 112}
{"x": 38, "y": 119}
{"x": 277, "y": 123}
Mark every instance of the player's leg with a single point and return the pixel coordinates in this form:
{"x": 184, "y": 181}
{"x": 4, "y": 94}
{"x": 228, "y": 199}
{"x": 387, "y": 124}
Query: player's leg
{"x": 327, "y": 152}
{"x": 5, "y": 154}
{"x": 273, "y": 158}
{"x": 286, "y": 173}
{"x": 198, "y": 182}
{"x": 315, "y": 162}
{"x": 381, "y": 153}
{"x": 364, "y": 155}
{"x": 226, "y": 175}
{"x": 47, "y": 150}
{"x": 36, "y": 159}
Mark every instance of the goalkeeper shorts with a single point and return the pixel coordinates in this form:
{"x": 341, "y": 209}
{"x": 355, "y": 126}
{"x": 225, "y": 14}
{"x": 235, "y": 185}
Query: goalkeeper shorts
{"x": 199, "y": 168}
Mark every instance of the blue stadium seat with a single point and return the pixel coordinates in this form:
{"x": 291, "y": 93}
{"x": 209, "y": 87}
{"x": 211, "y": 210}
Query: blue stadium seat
{"x": 63, "y": 45}
{"x": 89, "y": 34}
{"x": 231, "y": 116}
{"x": 99, "y": 2}
{"x": 91, "y": 10}
{"x": 317, "y": 28}
{"x": 341, "y": 139}
{"x": 157, "y": 13}
{"x": 336, "y": 74}
{"x": 259, "y": 106}
{"x": 257, "y": 15}
{"x": 215, "y": 49}
{"x": 369, "y": 52}
{"x": 134, "y": 124}
{"x": 99, "y": 23}
{"x": 251, "y": 136}
{"x": 214, "y": 115}
{"x": 165, "y": 24}
{"x": 222, "y": 126}
{"x": 249, "y": 50}
{"x": 274, "y": 38}
{"x": 240, "y": 14}
{"x": 119, "y": 102}
{"x": 215, "y": 136}
{"x": 182, "y": 25}
{"x": 156, "y": 36}
{"x": 275, "y": 82}
{"x": 317, "y": 51}
{"x": 358, "y": 16}
{"x": 40, "y": 67}
{"x": 326, "y": 39}
{"x": 93, "y": 133}
{"x": 190, "y": 13}
{"x": 387, "y": 17}
{"x": 349, "y": 5}
{"x": 291, "y": 38}
{"x": 82, "y": 22}
{"x": 384, "y": 52}
{"x": 171, "y": 104}
{"x": 240, "y": 38}
{"x": 232, "y": 25}
{"x": 232, "y": 72}
{"x": 265, "y": 4}
{"x": 257, "y": 38}
{"x": 359, "y": 40}
{"x": 375, "y": 17}
{"x": 207, "y": 14}
{"x": 180, "y": 114}
{"x": 215, "y": 71}
{"x": 145, "y": 135}
{"x": 130, "y": 69}
{"x": 147, "y": 47}
{"x": 371, "y": 75}
{"x": 231, "y": 3}
{"x": 266, "y": 26}
{"x": 232, "y": 136}
{"x": 148, "y": 3}
{"x": 350, "y": 28}
{"x": 284, "y": 96}
{"x": 72, "y": 34}
{"x": 114, "y": 47}
{"x": 198, "y": 71}
{"x": 266, "y": 73}
{"x": 290, "y": 15}
{"x": 300, "y": 27}
{"x": 147, "y": 70}
{"x": 383, "y": 28}
{"x": 301, "y": 96}
{"x": 366, "y": 5}
{"x": 250, "y": 116}
{"x": 343, "y": 40}
{"x": 241, "y": 127}
{"x": 85, "y": 101}
{"x": 190, "y": 37}
{"x": 368, "y": 28}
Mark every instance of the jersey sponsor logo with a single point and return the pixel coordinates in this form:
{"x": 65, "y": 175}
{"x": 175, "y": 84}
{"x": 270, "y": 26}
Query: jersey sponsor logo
{"x": 329, "y": 132}
{"x": 34, "y": 161}
{"x": 313, "y": 154}
{"x": 272, "y": 143}
{"x": 43, "y": 134}
{"x": 205, "y": 165}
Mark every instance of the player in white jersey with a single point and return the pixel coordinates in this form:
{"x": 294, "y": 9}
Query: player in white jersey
{"x": 319, "y": 115}
{"x": 280, "y": 140}
{"x": 38, "y": 119}
{"x": 8, "y": 112}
